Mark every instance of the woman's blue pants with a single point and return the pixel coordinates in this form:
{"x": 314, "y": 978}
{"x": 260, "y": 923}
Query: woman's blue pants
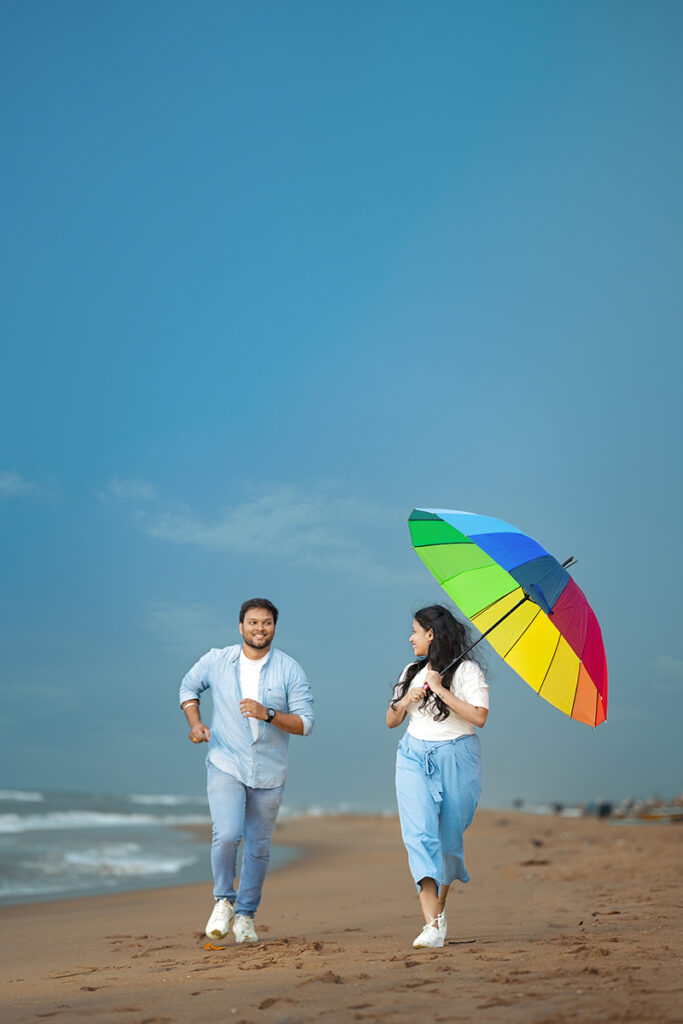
{"x": 438, "y": 786}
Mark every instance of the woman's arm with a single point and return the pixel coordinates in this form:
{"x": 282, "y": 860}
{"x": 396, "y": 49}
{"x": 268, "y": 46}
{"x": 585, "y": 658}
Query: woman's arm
{"x": 476, "y": 715}
{"x": 397, "y": 713}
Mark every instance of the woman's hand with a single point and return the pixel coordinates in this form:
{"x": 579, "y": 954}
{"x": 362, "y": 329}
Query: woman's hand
{"x": 413, "y": 696}
{"x": 470, "y": 712}
{"x": 396, "y": 713}
{"x": 433, "y": 681}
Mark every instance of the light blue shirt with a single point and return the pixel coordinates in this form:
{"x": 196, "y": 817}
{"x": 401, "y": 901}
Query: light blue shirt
{"x": 261, "y": 761}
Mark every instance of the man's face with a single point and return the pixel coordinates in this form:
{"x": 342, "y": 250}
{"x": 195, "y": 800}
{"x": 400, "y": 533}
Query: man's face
{"x": 258, "y": 629}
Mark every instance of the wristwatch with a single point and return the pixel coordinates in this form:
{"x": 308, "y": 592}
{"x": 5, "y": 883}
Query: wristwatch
{"x": 271, "y": 714}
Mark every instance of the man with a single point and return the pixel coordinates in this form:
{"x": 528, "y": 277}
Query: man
{"x": 260, "y": 698}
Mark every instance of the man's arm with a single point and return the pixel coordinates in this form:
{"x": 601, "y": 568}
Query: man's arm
{"x": 299, "y": 701}
{"x": 193, "y": 684}
{"x": 199, "y": 733}
{"x": 293, "y": 724}
{"x": 298, "y": 719}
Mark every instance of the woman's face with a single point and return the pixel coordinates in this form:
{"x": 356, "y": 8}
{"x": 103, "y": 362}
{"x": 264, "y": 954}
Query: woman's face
{"x": 421, "y": 639}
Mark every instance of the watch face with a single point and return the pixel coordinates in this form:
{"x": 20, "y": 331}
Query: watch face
{"x": 271, "y": 714}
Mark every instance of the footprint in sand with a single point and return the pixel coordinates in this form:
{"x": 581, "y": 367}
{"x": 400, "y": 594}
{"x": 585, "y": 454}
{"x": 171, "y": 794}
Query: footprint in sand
{"x": 328, "y": 978}
{"x": 74, "y": 974}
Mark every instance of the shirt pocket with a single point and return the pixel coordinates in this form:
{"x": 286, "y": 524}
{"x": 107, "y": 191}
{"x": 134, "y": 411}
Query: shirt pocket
{"x": 275, "y": 696}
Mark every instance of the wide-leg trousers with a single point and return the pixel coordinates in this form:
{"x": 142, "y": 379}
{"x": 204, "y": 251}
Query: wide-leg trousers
{"x": 438, "y": 786}
{"x": 239, "y": 812}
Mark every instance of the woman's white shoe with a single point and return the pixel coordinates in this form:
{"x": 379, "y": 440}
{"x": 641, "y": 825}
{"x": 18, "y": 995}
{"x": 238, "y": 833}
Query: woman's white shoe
{"x": 442, "y": 924}
{"x": 430, "y": 937}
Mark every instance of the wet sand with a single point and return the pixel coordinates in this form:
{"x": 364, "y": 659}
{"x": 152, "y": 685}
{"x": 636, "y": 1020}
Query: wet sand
{"x": 564, "y": 920}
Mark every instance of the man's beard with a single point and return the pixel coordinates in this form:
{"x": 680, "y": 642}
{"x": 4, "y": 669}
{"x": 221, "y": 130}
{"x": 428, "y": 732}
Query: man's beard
{"x": 258, "y": 646}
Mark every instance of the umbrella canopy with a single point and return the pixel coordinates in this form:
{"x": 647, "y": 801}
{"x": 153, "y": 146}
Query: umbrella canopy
{"x": 532, "y": 611}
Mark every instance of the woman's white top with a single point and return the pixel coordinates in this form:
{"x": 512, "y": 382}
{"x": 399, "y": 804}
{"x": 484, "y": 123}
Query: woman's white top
{"x": 468, "y": 684}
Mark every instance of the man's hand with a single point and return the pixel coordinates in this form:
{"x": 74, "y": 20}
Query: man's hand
{"x": 199, "y": 733}
{"x": 252, "y": 709}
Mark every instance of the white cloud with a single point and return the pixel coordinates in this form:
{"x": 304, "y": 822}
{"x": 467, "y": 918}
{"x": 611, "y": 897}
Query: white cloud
{"x": 317, "y": 530}
{"x": 12, "y": 485}
{"x": 137, "y": 490}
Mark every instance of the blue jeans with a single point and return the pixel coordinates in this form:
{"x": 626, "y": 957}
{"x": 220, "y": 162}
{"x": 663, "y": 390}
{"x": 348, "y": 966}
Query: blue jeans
{"x": 240, "y": 813}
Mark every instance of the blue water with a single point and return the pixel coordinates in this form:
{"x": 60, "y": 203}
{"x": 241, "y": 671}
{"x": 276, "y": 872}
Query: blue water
{"x": 60, "y": 845}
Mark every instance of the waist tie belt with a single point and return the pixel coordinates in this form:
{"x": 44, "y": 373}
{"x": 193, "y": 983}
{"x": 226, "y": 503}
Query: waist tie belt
{"x": 433, "y": 776}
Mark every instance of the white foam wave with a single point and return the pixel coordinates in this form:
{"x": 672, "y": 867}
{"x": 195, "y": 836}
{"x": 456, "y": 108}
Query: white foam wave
{"x": 99, "y": 865}
{"x": 15, "y": 890}
{"x": 22, "y": 795}
{"x": 124, "y": 860}
{"x": 165, "y": 799}
{"x": 14, "y": 823}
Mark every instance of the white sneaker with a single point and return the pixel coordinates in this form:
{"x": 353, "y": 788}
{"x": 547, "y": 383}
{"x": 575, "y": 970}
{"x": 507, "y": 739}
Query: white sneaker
{"x": 243, "y": 929}
{"x": 218, "y": 925}
{"x": 430, "y": 937}
{"x": 442, "y": 924}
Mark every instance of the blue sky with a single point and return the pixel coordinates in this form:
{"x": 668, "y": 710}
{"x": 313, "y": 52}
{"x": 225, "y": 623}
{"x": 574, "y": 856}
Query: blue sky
{"x": 273, "y": 275}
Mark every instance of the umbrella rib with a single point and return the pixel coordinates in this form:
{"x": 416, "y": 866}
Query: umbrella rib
{"x": 545, "y": 676}
{"x": 527, "y": 627}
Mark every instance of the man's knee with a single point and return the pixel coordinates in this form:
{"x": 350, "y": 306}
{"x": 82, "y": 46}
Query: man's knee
{"x": 225, "y": 838}
{"x": 258, "y": 847}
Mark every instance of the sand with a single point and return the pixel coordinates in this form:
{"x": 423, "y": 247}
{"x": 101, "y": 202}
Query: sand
{"x": 564, "y": 920}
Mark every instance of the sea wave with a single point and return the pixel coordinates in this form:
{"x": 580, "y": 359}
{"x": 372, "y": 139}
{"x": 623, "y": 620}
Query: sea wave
{"x": 14, "y": 823}
{"x": 165, "y": 799}
{"x": 22, "y": 796}
{"x": 93, "y": 867}
{"x": 124, "y": 860}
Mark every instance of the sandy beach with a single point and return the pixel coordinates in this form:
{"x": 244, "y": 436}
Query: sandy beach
{"x": 564, "y": 920}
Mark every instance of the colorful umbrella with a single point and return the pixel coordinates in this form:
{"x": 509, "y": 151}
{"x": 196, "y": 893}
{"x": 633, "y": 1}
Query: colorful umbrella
{"x": 524, "y": 602}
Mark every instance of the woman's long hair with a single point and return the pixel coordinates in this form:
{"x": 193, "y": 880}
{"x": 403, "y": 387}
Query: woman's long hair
{"x": 451, "y": 639}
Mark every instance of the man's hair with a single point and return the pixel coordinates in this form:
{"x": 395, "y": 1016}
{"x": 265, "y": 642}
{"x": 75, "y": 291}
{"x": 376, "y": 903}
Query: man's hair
{"x": 259, "y": 602}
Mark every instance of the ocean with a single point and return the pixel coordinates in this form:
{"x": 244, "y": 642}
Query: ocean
{"x": 60, "y": 845}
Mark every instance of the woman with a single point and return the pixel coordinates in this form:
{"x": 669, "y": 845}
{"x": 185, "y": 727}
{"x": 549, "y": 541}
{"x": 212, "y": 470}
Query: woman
{"x": 438, "y": 766}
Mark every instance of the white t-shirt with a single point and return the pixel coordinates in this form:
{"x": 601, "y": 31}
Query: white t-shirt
{"x": 468, "y": 684}
{"x": 249, "y": 680}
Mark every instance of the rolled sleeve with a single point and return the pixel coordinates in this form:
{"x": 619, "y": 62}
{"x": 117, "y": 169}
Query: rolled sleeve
{"x": 300, "y": 698}
{"x": 196, "y": 681}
